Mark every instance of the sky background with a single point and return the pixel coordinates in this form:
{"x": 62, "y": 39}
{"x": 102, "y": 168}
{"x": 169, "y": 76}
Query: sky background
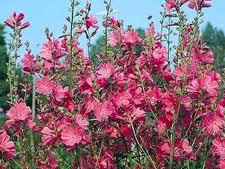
{"x": 52, "y": 14}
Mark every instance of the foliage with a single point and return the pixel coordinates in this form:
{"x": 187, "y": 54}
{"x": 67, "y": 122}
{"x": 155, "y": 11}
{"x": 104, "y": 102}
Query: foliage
{"x": 4, "y": 86}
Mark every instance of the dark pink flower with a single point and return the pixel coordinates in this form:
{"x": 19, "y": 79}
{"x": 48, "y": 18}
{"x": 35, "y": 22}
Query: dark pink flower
{"x": 91, "y": 22}
{"x": 164, "y": 122}
{"x": 106, "y": 161}
{"x": 7, "y": 147}
{"x": 163, "y": 150}
{"x": 85, "y": 84}
{"x": 113, "y": 22}
{"x": 219, "y": 147}
{"x": 126, "y": 131}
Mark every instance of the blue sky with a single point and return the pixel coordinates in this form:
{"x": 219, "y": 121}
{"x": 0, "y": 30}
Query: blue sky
{"x": 52, "y": 14}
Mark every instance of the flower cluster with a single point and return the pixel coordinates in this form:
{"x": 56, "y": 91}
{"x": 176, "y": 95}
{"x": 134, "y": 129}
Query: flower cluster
{"x": 15, "y": 21}
{"x": 193, "y": 4}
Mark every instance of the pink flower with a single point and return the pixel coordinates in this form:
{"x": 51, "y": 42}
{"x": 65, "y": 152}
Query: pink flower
{"x": 194, "y": 87}
{"x": 59, "y": 92}
{"x": 103, "y": 110}
{"x": 85, "y": 84}
{"x": 79, "y": 30}
{"x": 170, "y": 4}
{"x": 163, "y": 150}
{"x": 15, "y": 21}
{"x": 106, "y": 161}
{"x": 91, "y": 22}
{"x": 159, "y": 56}
{"x": 219, "y": 147}
{"x": 113, "y": 22}
{"x": 221, "y": 164}
{"x": 82, "y": 121}
{"x": 52, "y": 50}
{"x": 104, "y": 72}
{"x": 7, "y": 147}
{"x": 71, "y": 135}
{"x": 30, "y": 64}
{"x": 150, "y": 30}
{"x": 184, "y": 150}
{"x": 112, "y": 132}
{"x": 121, "y": 99}
{"x": 20, "y": 111}
{"x": 207, "y": 83}
{"x": 49, "y": 136}
{"x": 200, "y": 3}
{"x": 69, "y": 103}
{"x": 126, "y": 131}
{"x": 213, "y": 123}
{"x": 131, "y": 38}
{"x": 164, "y": 122}
{"x": 116, "y": 37}
{"x": 183, "y": 1}
{"x": 138, "y": 114}
{"x": 204, "y": 55}
{"x": 153, "y": 95}
{"x": 44, "y": 85}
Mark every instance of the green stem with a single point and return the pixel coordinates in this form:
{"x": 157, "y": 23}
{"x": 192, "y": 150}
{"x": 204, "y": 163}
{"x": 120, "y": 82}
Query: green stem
{"x": 106, "y": 28}
{"x": 18, "y": 165}
{"x": 168, "y": 39}
{"x": 138, "y": 143}
{"x": 33, "y": 111}
{"x": 33, "y": 97}
{"x": 173, "y": 137}
{"x": 71, "y": 46}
